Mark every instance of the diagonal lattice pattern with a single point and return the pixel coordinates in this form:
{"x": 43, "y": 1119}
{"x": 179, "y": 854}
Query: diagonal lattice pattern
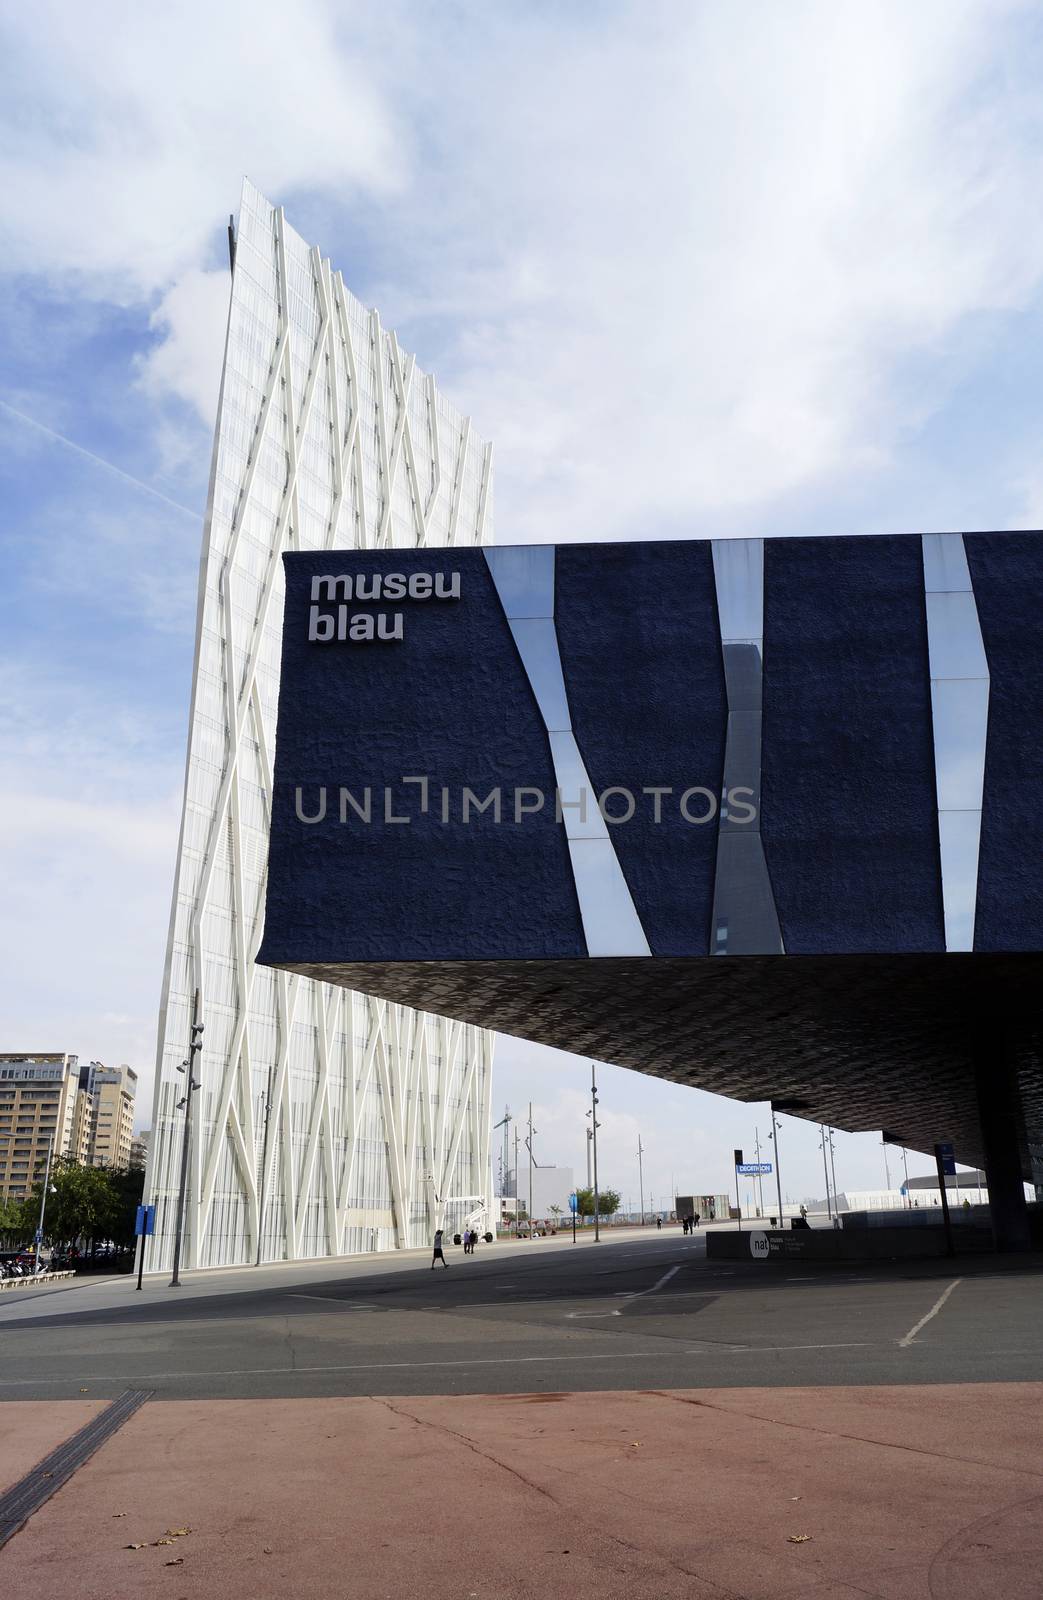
{"x": 326, "y": 1121}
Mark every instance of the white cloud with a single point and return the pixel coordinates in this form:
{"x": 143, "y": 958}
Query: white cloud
{"x": 736, "y": 224}
{"x": 191, "y": 318}
{"x": 130, "y": 128}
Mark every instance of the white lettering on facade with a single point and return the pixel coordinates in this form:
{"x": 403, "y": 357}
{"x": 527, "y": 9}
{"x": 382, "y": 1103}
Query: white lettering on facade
{"x": 340, "y": 623}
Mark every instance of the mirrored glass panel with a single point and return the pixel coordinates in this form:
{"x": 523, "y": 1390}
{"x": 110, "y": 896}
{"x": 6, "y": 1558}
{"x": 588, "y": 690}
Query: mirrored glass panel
{"x": 742, "y": 767}
{"x": 955, "y": 637}
{"x": 610, "y": 922}
{"x": 579, "y": 801}
{"x": 960, "y": 720}
{"x": 745, "y": 921}
{"x": 538, "y": 647}
{"x": 960, "y": 713}
{"x": 958, "y": 834}
{"x": 945, "y": 566}
{"x": 524, "y": 578}
{"x": 738, "y": 570}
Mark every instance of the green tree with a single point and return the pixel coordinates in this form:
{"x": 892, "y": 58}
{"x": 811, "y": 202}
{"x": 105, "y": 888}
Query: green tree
{"x": 128, "y": 1188}
{"x": 82, "y": 1202}
{"x": 11, "y": 1215}
{"x": 585, "y": 1202}
{"x": 608, "y": 1202}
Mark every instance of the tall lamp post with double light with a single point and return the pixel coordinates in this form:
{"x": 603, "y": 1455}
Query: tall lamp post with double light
{"x": 593, "y": 1132}
{"x": 825, "y": 1169}
{"x": 775, "y": 1126}
{"x": 187, "y": 1066}
{"x": 43, "y": 1202}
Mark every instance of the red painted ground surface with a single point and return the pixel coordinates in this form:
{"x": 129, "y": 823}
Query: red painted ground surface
{"x": 31, "y": 1429}
{"x": 906, "y": 1494}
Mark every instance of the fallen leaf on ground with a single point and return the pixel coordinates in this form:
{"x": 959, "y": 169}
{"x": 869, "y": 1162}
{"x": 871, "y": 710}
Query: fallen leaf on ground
{"x": 116, "y": 1514}
{"x": 83, "y": 1391}
{"x": 267, "y": 1550}
{"x": 178, "y": 1561}
{"x": 798, "y": 1538}
{"x": 133, "y": 1547}
{"x": 794, "y": 1496}
{"x": 178, "y": 1533}
{"x": 156, "y": 1542}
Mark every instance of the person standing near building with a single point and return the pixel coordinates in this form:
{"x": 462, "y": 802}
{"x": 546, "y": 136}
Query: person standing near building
{"x": 439, "y": 1254}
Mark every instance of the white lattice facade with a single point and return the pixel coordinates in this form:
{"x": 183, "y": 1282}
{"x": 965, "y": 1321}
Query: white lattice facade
{"x": 327, "y": 436}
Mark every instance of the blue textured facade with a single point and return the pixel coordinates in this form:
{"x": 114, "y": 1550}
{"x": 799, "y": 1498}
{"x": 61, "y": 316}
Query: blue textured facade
{"x": 847, "y": 710}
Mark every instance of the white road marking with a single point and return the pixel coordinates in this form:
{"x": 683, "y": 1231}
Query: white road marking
{"x": 334, "y": 1300}
{"x": 757, "y": 1349}
{"x": 628, "y": 1294}
{"x": 361, "y": 1366}
{"x": 908, "y": 1338}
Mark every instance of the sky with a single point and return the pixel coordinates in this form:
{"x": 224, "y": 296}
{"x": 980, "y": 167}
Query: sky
{"x": 699, "y": 268}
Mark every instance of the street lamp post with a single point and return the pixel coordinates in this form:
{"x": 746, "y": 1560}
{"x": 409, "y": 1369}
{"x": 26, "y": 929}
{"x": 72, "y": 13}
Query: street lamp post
{"x": 825, "y": 1169}
{"x": 529, "y": 1143}
{"x": 833, "y": 1168}
{"x": 188, "y": 1067}
{"x": 43, "y": 1203}
{"x": 887, "y": 1167}
{"x": 775, "y": 1126}
{"x": 593, "y": 1130}
{"x": 641, "y": 1178}
{"x": 264, "y": 1172}
{"x": 760, "y": 1180}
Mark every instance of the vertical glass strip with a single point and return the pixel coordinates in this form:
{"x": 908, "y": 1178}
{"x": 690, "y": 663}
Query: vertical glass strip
{"x": 524, "y": 580}
{"x": 745, "y": 918}
{"x": 960, "y": 720}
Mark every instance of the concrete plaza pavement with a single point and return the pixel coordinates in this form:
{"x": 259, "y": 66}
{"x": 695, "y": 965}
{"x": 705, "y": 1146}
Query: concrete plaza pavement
{"x": 624, "y": 1420}
{"x": 632, "y": 1313}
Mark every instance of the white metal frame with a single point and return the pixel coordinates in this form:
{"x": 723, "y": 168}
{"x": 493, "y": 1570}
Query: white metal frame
{"x": 325, "y": 1120}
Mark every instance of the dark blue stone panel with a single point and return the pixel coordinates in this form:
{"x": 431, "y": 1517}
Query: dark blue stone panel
{"x": 849, "y": 804}
{"x": 640, "y": 649}
{"x": 1007, "y": 574}
{"x": 450, "y": 701}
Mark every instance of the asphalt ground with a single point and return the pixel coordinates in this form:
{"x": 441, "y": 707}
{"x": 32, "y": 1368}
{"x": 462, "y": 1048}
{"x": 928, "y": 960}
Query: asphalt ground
{"x": 636, "y": 1312}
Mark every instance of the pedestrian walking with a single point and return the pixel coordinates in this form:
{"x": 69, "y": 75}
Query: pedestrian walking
{"x": 439, "y": 1254}
{"x": 659, "y": 1223}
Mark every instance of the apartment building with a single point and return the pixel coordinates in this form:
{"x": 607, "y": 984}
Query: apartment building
{"x": 40, "y": 1102}
{"x": 111, "y": 1092}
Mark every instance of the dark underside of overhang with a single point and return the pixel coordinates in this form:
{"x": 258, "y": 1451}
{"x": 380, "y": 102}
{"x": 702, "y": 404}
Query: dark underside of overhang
{"x": 880, "y": 1042}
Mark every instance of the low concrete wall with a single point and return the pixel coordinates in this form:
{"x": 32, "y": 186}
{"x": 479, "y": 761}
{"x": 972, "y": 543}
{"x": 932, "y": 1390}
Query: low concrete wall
{"x": 34, "y": 1282}
{"x": 827, "y": 1244}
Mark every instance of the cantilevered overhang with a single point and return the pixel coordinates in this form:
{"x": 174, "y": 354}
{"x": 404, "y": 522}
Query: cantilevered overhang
{"x": 858, "y": 1042}
{"x": 761, "y": 816}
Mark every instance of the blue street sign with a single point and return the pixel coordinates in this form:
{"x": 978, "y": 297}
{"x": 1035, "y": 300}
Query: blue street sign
{"x": 947, "y": 1158}
{"x": 145, "y": 1220}
{"x": 753, "y": 1169}
{"x": 573, "y": 1203}
{"x": 38, "y": 1236}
